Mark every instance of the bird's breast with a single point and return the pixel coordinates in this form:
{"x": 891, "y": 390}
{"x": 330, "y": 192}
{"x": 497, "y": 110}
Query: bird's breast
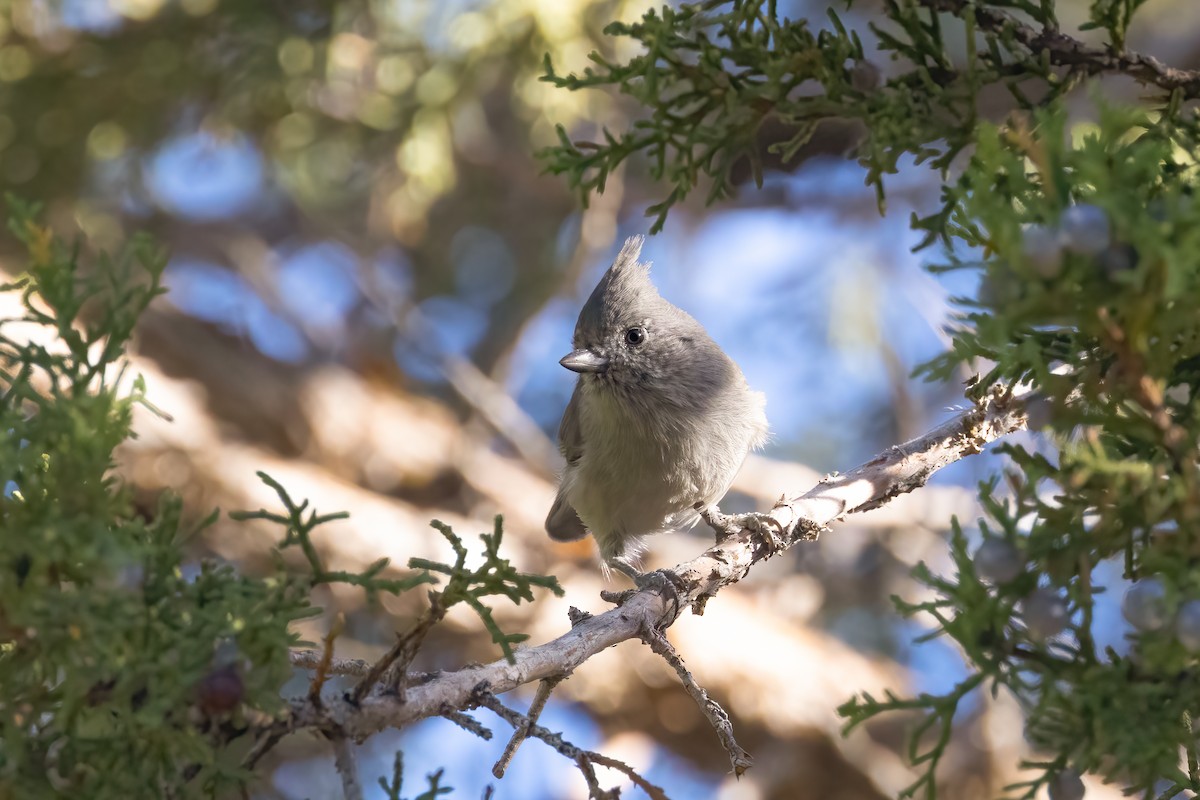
{"x": 642, "y": 472}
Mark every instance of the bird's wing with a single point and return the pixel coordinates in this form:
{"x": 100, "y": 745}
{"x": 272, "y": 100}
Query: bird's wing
{"x": 562, "y": 523}
{"x": 570, "y": 432}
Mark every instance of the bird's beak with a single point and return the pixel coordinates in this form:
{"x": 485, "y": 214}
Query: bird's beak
{"x": 584, "y": 361}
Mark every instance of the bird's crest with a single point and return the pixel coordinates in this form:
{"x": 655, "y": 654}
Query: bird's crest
{"x": 626, "y": 283}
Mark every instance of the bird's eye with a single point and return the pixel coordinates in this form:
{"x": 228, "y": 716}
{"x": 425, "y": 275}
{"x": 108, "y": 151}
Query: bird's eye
{"x": 635, "y": 336}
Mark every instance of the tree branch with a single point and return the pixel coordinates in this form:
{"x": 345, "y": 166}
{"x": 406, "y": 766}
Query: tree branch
{"x": 739, "y": 759}
{"x": 311, "y": 659}
{"x": 900, "y": 469}
{"x": 402, "y": 652}
{"x": 347, "y": 767}
{"x": 584, "y": 759}
{"x": 521, "y": 732}
{"x": 1067, "y": 51}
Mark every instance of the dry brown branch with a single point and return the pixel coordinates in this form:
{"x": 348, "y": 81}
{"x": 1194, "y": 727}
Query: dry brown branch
{"x": 322, "y": 672}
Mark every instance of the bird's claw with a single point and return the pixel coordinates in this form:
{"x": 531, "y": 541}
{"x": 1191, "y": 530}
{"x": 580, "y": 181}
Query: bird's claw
{"x": 663, "y": 581}
{"x": 660, "y": 579}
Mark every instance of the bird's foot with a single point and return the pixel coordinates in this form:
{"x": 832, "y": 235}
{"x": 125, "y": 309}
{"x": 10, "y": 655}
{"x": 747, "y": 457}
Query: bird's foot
{"x": 727, "y": 525}
{"x": 664, "y": 581}
{"x": 657, "y": 579}
{"x": 625, "y": 568}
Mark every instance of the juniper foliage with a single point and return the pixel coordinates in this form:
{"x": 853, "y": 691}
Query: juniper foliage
{"x": 126, "y": 668}
{"x": 1087, "y": 241}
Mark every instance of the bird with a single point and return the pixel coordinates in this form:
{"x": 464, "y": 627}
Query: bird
{"x": 659, "y": 424}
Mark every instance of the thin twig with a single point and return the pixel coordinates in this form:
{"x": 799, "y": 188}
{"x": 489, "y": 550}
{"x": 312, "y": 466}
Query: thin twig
{"x": 269, "y": 739}
{"x": 652, "y": 791}
{"x": 1066, "y": 51}
{"x": 485, "y": 698}
{"x": 401, "y": 653}
{"x": 347, "y": 767}
{"x": 595, "y": 791}
{"x": 521, "y": 732}
{"x": 311, "y": 659}
{"x": 468, "y": 723}
{"x": 318, "y": 681}
{"x": 739, "y": 759}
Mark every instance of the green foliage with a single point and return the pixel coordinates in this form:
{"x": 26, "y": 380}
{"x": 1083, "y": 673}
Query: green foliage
{"x": 713, "y": 72}
{"x": 1113, "y": 16}
{"x": 495, "y": 577}
{"x": 126, "y": 670}
{"x": 1113, "y": 354}
{"x": 106, "y": 642}
{"x": 1087, "y": 241}
{"x": 298, "y": 530}
{"x": 709, "y": 77}
{"x": 392, "y": 787}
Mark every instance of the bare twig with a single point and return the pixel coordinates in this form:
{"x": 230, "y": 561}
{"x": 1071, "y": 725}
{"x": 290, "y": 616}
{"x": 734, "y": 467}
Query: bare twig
{"x": 347, "y": 767}
{"x": 468, "y": 723}
{"x": 311, "y": 659}
{"x": 318, "y": 681}
{"x": 584, "y": 758}
{"x": 739, "y": 759}
{"x": 1066, "y": 51}
{"x": 402, "y": 653}
{"x": 652, "y": 791}
{"x": 894, "y": 472}
{"x": 268, "y": 740}
{"x": 595, "y": 791}
{"x": 521, "y": 732}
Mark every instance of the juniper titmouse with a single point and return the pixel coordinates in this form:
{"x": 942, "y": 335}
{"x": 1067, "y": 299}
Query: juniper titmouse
{"x": 660, "y": 421}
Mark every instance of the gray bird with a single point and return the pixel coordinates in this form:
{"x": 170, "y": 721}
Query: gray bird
{"x": 660, "y": 422}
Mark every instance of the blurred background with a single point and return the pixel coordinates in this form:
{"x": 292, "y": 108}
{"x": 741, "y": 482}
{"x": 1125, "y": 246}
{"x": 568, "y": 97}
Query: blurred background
{"x": 371, "y": 283}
